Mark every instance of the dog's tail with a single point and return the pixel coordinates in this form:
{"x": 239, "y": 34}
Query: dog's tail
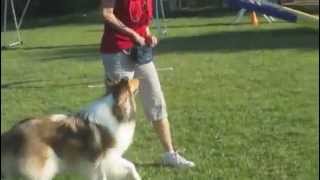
{"x": 2, "y": 176}
{"x": 11, "y": 143}
{"x": 2, "y": 156}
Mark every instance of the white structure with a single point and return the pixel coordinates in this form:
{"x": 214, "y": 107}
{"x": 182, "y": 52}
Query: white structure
{"x": 162, "y": 29}
{"x": 17, "y": 23}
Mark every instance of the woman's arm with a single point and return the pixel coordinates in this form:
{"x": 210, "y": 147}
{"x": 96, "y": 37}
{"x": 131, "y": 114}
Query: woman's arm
{"x": 108, "y": 15}
{"x": 151, "y": 40}
{"x": 148, "y": 32}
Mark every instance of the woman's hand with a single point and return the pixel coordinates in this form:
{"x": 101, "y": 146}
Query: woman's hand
{"x": 141, "y": 41}
{"x": 152, "y": 41}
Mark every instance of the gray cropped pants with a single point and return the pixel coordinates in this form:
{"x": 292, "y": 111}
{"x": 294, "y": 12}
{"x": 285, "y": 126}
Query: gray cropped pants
{"x": 120, "y": 65}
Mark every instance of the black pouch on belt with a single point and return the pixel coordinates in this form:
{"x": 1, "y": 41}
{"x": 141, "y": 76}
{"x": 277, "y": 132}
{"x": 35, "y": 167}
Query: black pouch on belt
{"x": 142, "y": 54}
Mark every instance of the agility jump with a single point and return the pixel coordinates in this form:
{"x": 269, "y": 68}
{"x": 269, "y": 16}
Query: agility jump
{"x": 278, "y": 11}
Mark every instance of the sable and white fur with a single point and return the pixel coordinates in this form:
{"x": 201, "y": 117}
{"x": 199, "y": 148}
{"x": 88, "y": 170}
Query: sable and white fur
{"x": 90, "y": 142}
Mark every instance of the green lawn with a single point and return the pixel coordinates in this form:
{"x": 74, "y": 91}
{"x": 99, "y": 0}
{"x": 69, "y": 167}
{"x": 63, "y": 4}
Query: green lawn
{"x": 242, "y": 100}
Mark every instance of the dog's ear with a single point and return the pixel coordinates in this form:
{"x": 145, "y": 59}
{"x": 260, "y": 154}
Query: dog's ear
{"x": 124, "y": 91}
{"x": 133, "y": 85}
{"x": 121, "y": 93}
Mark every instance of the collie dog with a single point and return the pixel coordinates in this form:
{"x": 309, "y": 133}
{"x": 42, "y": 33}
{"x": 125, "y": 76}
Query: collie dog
{"x": 90, "y": 142}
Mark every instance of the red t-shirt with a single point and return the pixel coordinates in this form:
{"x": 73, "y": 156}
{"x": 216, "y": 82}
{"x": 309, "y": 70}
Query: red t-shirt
{"x": 136, "y": 14}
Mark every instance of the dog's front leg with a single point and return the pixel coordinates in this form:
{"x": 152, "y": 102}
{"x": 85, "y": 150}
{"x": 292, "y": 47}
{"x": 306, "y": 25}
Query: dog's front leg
{"x": 98, "y": 177}
{"x": 119, "y": 168}
{"x": 98, "y": 174}
{"x": 132, "y": 173}
{"x": 103, "y": 174}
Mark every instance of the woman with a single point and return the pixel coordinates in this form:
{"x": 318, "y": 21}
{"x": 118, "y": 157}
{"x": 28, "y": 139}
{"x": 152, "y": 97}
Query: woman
{"x": 127, "y": 26}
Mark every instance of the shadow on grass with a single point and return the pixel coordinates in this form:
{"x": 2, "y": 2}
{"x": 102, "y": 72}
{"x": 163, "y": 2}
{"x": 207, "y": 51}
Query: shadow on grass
{"x": 203, "y": 25}
{"x": 235, "y": 41}
{"x": 65, "y": 52}
{"x": 18, "y": 83}
{"x": 231, "y": 24}
{"x": 148, "y": 164}
{"x": 58, "y": 47}
{"x": 94, "y": 17}
{"x": 31, "y": 84}
{"x": 76, "y": 18}
{"x": 154, "y": 165}
{"x": 301, "y": 38}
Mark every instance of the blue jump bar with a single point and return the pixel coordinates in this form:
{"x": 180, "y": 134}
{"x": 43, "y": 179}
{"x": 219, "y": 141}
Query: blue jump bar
{"x": 268, "y": 9}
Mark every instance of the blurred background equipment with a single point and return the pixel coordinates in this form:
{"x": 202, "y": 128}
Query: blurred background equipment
{"x": 254, "y": 18}
{"x": 278, "y": 11}
{"x": 17, "y": 21}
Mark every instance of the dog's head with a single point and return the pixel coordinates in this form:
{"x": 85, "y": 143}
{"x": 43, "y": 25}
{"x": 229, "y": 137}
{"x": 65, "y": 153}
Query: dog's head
{"x": 124, "y": 92}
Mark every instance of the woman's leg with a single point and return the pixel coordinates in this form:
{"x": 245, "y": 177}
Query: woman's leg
{"x": 154, "y": 103}
{"x": 155, "y": 110}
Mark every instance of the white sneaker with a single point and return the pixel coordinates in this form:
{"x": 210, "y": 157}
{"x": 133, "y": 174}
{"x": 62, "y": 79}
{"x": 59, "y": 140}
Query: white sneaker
{"x": 176, "y": 160}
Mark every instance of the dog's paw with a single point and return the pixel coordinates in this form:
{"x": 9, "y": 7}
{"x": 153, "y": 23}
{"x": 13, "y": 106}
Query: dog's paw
{"x": 137, "y": 177}
{"x": 134, "y": 176}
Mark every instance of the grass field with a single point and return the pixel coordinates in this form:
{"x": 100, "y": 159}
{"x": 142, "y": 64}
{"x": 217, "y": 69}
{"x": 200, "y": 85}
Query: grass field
{"x": 242, "y": 100}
